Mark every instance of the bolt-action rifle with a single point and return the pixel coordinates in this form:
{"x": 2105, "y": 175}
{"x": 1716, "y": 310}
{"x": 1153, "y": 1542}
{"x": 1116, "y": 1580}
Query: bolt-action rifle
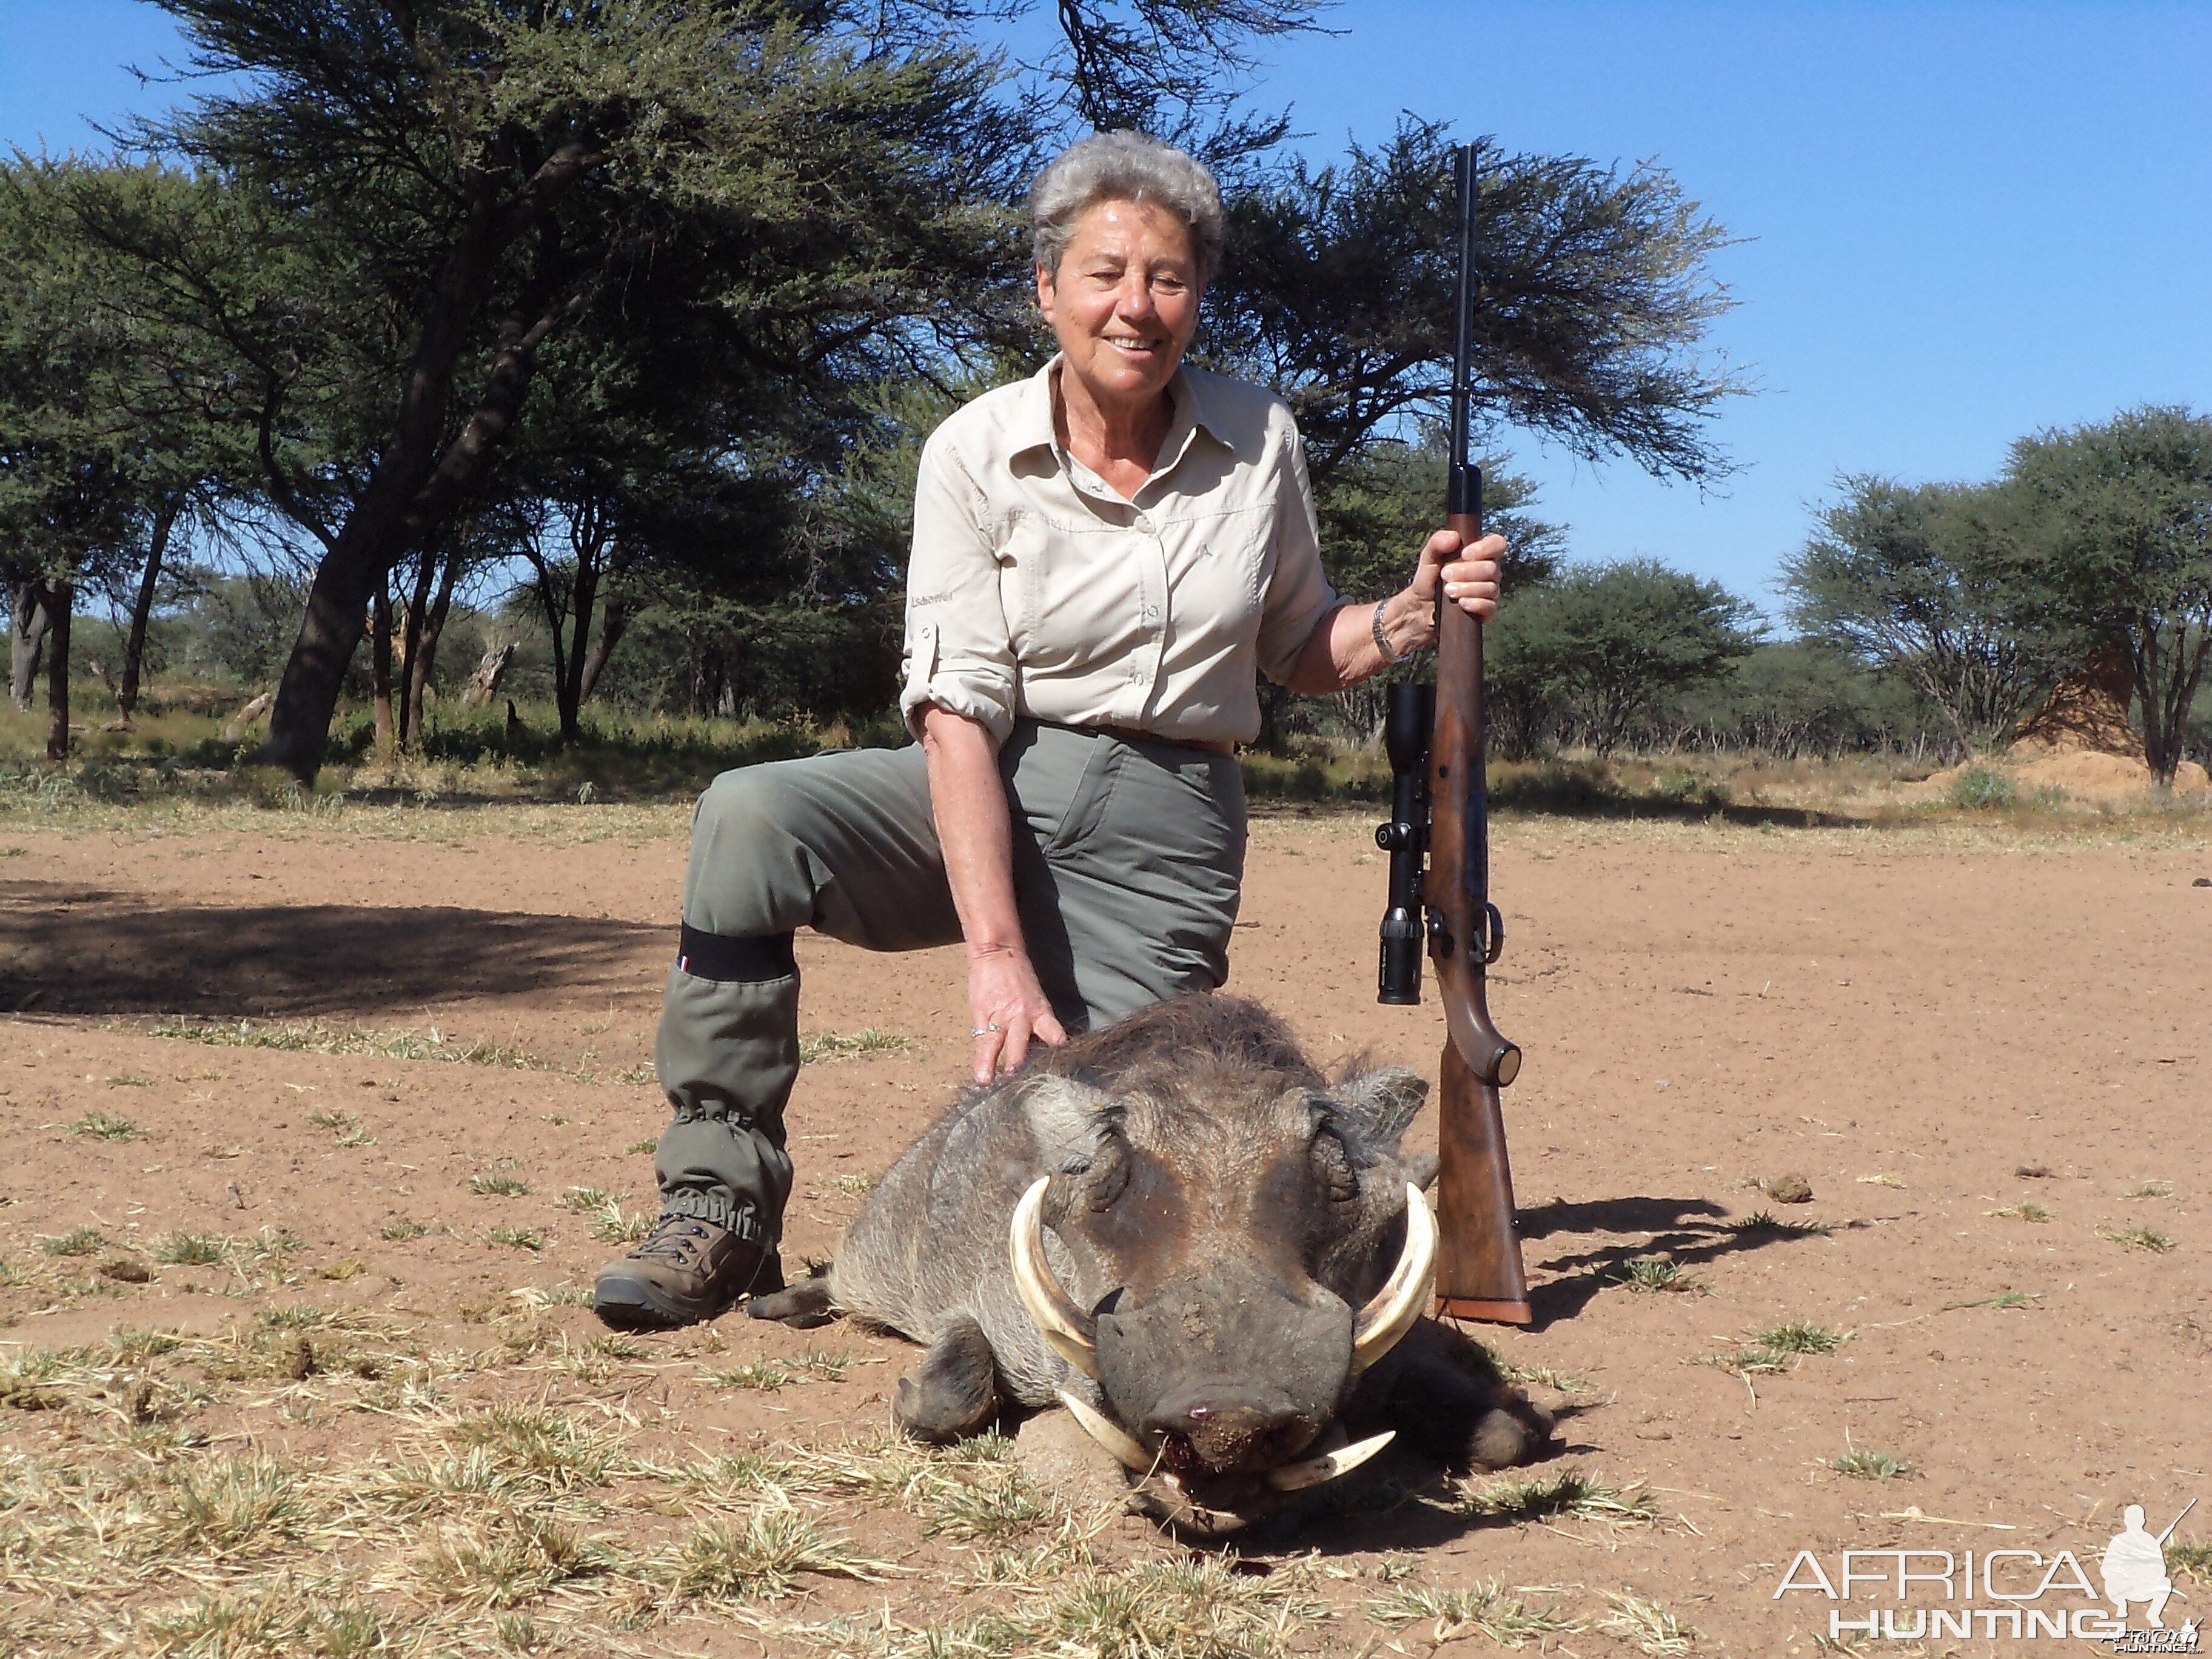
{"x": 1440, "y": 812}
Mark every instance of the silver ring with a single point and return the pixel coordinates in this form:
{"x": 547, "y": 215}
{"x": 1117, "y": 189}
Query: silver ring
{"x": 986, "y": 1030}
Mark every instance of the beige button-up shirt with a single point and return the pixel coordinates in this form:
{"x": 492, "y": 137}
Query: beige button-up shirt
{"x": 1037, "y": 590}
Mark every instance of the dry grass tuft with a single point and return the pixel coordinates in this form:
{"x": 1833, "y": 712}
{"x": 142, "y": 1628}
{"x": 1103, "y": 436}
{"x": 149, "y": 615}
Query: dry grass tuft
{"x": 502, "y": 1559}
{"x": 2139, "y": 1238}
{"x": 758, "y": 1555}
{"x": 2023, "y": 1211}
{"x": 817, "y": 1048}
{"x": 1647, "y": 1625}
{"x": 1570, "y": 1492}
{"x": 106, "y": 1126}
{"x": 1483, "y": 1608}
{"x": 314, "y": 1037}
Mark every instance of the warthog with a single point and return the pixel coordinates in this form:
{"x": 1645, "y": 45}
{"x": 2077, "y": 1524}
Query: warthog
{"x": 1208, "y": 1251}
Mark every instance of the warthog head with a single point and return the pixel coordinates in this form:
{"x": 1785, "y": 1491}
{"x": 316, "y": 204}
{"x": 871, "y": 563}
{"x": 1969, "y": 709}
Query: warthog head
{"x": 1228, "y": 1242}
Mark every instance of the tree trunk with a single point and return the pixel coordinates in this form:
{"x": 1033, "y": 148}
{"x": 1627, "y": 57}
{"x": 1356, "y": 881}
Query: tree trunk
{"x": 614, "y": 617}
{"x": 134, "y": 649}
{"x": 567, "y": 691}
{"x": 424, "y": 659}
{"x": 491, "y": 669}
{"x": 28, "y": 640}
{"x": 379, "y": 665}
{"x": 57, "y": 598}
{"x": 410, "y": 651}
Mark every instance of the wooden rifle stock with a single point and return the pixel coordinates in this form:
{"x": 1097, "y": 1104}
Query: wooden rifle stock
{"x": 1480, "y": 1274}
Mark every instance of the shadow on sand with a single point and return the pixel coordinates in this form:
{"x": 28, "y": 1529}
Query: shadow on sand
{"x": 76, "y": 949}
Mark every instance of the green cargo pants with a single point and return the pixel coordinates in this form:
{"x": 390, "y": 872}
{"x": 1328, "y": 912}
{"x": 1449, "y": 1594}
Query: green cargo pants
{"x": 1128, "y": 857}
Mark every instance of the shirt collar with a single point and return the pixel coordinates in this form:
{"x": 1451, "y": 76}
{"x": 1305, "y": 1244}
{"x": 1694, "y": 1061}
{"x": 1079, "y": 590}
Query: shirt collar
{"x": 1032, "y": 428}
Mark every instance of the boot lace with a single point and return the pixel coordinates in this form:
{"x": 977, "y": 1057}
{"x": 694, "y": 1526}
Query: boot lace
{"x": 678, "y": 1238}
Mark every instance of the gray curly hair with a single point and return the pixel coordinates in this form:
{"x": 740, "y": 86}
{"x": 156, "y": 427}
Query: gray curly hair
{"x": 1124, "y": 166}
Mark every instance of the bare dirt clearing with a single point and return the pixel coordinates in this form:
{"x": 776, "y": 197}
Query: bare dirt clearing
{"x": 314, "y": 1133}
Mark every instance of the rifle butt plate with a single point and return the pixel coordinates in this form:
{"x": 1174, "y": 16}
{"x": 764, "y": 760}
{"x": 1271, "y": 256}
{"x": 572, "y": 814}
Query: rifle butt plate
{"x": 1492, "y": 1313}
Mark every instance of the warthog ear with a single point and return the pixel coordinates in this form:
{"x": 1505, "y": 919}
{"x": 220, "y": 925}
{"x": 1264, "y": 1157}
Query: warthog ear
{"x": 1379, "y": 1105}
{"x": 1068, "y": 1118}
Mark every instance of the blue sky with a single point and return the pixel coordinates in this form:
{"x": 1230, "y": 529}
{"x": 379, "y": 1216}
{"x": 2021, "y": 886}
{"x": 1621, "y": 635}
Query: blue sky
{"x": 1962, "y": 222}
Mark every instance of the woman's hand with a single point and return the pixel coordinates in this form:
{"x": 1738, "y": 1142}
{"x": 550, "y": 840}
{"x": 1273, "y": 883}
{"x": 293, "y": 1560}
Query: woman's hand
{"x": 1468, "y": 576}
{"x": 1006, "y": 1007}
{"x": 1342, "y": 650}
{"x": 1008, "y": 1010}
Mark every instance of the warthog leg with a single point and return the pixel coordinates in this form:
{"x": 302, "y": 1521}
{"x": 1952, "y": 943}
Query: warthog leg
{"x": 954, "y": 1392}
{"x": 802, "y": 1306}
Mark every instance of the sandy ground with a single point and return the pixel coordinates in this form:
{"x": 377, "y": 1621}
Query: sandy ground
{"x": 1928, "y": 1027}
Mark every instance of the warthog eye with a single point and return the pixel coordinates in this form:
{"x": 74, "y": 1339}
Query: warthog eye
{"x": 1109, "y": 1176}
{"x": 1332, "y": 1164}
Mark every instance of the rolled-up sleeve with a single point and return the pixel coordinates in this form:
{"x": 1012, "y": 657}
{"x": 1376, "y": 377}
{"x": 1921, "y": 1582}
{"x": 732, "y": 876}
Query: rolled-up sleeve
{"x": 959, "y": 653}
{"x": 1298, "y": 592}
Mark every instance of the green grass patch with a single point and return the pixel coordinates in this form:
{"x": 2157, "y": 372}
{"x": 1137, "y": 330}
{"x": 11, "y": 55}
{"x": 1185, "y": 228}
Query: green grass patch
{"x": 77, "y": 1241}
{"x": 1570, "y": 1492}
{"x": 106, "y": 1126}
{"x": 314, "y": 1037}
{"x": 192, "y": 1249}
{"x": 2023, "y": 1212}
{"x": 2001, "y": 1299}
{"x": 1799, "y": 1337}
{"x": 2139, "y": 1238}
{"x": 522, "y": 1238}
{"x": 1865, "y": 1463}
{"x": 496, "y": 1186}
{"x": 1651, "y": 1275}
{"x": 1764, "y": 1224}
{"x": 816, "y": 1047}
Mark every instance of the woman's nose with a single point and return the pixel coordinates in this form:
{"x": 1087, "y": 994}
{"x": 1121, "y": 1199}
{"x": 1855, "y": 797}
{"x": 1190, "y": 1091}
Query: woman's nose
{"x": 1134, "y": 301}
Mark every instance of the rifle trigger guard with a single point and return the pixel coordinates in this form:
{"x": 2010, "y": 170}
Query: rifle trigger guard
{"x": 1490, "y": 934}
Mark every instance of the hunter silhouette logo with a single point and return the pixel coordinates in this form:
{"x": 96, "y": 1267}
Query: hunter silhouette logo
{"x": 2020, "y": 1593}
{"x": 2135, "y": 1567}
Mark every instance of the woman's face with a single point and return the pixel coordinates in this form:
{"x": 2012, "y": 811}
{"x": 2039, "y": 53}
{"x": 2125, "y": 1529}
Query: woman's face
{"x": 1124, "y": 303}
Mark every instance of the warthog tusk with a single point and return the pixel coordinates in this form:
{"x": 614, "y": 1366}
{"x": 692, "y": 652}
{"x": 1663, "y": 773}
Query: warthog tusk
{"x": 1405, "y": 1296}
{"x": 1063, "y": 1325}
{"x": 1297, "y": 1477}
{"x": 1109, "y": 1434}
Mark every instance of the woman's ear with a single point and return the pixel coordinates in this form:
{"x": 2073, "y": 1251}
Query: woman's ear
{"x": 1044, "y": 286}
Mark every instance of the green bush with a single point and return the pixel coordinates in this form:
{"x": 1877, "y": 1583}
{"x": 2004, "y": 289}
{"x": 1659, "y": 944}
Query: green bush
{"x": 1981, "y": 788}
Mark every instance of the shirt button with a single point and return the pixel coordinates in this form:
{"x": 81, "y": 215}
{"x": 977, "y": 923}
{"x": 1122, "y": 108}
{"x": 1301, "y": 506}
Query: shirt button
{"x": 1152, "y": 613}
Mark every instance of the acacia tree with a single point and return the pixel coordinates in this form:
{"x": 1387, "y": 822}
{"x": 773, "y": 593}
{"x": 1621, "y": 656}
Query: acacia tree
{"x": 2111, "y": 543}
{"x": 438, "y": 190}
{"x": 1593, "y": 305}
{"x": 1909, "y": 579}
{"x": 96, "y": 456}
{"x": 1607, "y": 642}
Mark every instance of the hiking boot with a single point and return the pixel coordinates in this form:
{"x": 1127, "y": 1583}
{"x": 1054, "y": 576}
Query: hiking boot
{"x": 684, "y": 1271}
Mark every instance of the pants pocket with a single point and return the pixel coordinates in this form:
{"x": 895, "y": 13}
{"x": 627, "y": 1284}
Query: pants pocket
{"x": 1087, "y": 803}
